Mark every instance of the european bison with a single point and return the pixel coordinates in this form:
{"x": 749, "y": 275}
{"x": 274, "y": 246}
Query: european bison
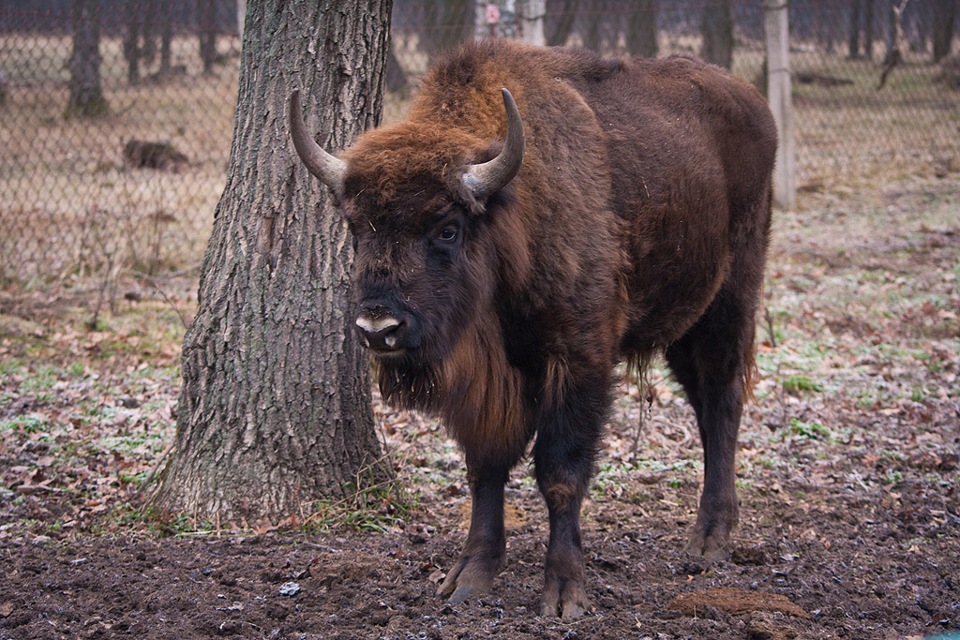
{"x": 510, "y": 250}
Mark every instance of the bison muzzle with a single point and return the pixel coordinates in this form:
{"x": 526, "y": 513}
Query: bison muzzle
{"x": 540, "y": 216}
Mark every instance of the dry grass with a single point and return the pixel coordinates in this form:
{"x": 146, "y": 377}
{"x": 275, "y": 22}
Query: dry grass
{"x": 71, "y": 205}
{"x": 853, "y": 136}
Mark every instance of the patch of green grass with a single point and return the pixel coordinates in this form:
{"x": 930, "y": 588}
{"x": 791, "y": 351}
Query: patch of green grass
{"x": 809, "y": 430}
{"x": 41, "y": 379}
{"x": 10, "y": 367}
{"x": 76, "y": 369}
{"x": 797, "y": 384}
{"x": 28, "y": 423}
{"x": 893, "y": 477}
{"x": 379, "y": 508}
{"x": 136, "y": 479}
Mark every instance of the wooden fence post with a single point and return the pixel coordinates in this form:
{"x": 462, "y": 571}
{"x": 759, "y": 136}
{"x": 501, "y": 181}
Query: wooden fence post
{"x": 777, "y": 37}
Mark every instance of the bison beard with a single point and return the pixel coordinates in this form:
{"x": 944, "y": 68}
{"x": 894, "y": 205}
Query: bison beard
{"x": 510, "y": 253}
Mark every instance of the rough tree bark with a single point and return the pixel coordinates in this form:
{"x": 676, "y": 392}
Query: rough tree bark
{"x": 717, "y": 31}
{"x": 86, "y": 93}
{"x": 275, "y": 406}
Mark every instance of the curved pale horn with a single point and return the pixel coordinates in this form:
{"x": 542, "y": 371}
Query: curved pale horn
{"x": 328, "y": 168}
{"x": 488, "y": 177}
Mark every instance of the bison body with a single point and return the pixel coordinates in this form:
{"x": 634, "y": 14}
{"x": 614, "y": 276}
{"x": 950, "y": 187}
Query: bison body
{"x": 503, "y": 269}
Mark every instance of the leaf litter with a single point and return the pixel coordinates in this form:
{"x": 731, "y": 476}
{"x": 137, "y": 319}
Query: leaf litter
{"x": 847, "y": 473}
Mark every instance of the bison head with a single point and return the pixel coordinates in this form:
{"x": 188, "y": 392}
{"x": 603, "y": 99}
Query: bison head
{"x": 416, "y": 199}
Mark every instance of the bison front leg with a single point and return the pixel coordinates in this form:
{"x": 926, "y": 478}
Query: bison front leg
{"x": 563, "y": 455}
{"x": 485, "y": 549}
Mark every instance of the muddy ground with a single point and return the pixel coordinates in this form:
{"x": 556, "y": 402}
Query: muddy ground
{"x": 848, "y": 478}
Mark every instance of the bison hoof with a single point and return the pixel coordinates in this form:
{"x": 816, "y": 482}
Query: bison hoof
{"x": 468, "y": 577}
{"x": 564, "y": 598}
{"x": 709, "y": 542}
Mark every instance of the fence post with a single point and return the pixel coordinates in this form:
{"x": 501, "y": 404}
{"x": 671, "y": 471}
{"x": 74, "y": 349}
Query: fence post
{"x": 777, "y": 38}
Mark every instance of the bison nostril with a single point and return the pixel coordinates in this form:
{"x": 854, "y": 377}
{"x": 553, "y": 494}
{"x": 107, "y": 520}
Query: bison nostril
{"x": 379, "y": 329}
{"x": 382, "y": 324}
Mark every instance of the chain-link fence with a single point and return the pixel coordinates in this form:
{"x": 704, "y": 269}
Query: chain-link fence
{"x": 116, "y": 116}
{"x": 115, "y": 126}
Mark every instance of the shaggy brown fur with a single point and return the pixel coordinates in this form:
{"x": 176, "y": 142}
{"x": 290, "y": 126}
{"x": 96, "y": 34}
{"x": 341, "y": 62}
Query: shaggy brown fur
{"x": 638, "y": 224}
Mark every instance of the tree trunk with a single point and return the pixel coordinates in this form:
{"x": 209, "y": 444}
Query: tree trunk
{"x": 447, "y": 23}
{"x": 561, "y": 15}
{"x": 642, "y": 29}
{"x": 944, "y": 15}
{"x": 149, "y": 51}
{"x": 131, "y": 39}
{"x": 275, "y": 408}
{"x": 868, "y": 29}
{"x": 86, "y": 95}
{"x": 207, "y": 30}
{"x": 166, "y": 37}
{"x": 854, "y": 33}
{"x": 590, "y": 25}
{"x": 718, "y": 33}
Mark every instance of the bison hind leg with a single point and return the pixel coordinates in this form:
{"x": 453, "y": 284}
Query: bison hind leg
{"x": 712, "y": 362}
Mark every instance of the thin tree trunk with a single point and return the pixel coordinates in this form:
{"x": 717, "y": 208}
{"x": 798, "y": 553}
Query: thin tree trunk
{"x": 447, "y": 23}
{"x": 563, "y": 13}
{"x": 207, "y": 29}
{"x": 868, "y": 29}
{"x": 166, "y": 37}
{"x": 718, "y": 33}
{"x": 944, "y": 16}
{"x": 86, "y": 94}
{"x": 275, "y": 407}
{"x": 854, "y": 33}
{"x": 131, "y": 39}
{"x": 642, "y": 29}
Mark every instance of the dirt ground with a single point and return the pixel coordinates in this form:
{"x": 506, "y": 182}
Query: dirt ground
{"x": 848, "y": 479}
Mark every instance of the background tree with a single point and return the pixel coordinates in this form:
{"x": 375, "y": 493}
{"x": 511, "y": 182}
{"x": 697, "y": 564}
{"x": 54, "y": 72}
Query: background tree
{"x": 207, "y": 31}
{"x": 853, "y": 39}
{"x": 944, "y": 16}
{"x": 642, "y": 29}
{"x": 86, "y": 94}
{"x": 717, "y": 29}
{"x": 135, "y": 16}
{"x": 275, "y": 407}
{"x": 561, "y": 15}
{"x": 446, "y": 23}
{"x": 165, "y": 10}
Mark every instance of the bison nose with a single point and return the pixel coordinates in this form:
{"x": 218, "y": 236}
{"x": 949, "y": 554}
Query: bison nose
{"x": 379, "y": 328}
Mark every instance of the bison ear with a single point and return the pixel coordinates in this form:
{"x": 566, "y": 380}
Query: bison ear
{"x": 486, "y": 178}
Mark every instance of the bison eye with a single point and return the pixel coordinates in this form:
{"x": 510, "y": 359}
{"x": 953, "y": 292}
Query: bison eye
{"x": 449, "y": 234}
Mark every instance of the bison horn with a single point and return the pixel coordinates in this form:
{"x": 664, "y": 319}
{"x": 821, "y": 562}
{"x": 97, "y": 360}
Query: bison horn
{"x": 489, "y": 177}
{"x": 329, "y": 169}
